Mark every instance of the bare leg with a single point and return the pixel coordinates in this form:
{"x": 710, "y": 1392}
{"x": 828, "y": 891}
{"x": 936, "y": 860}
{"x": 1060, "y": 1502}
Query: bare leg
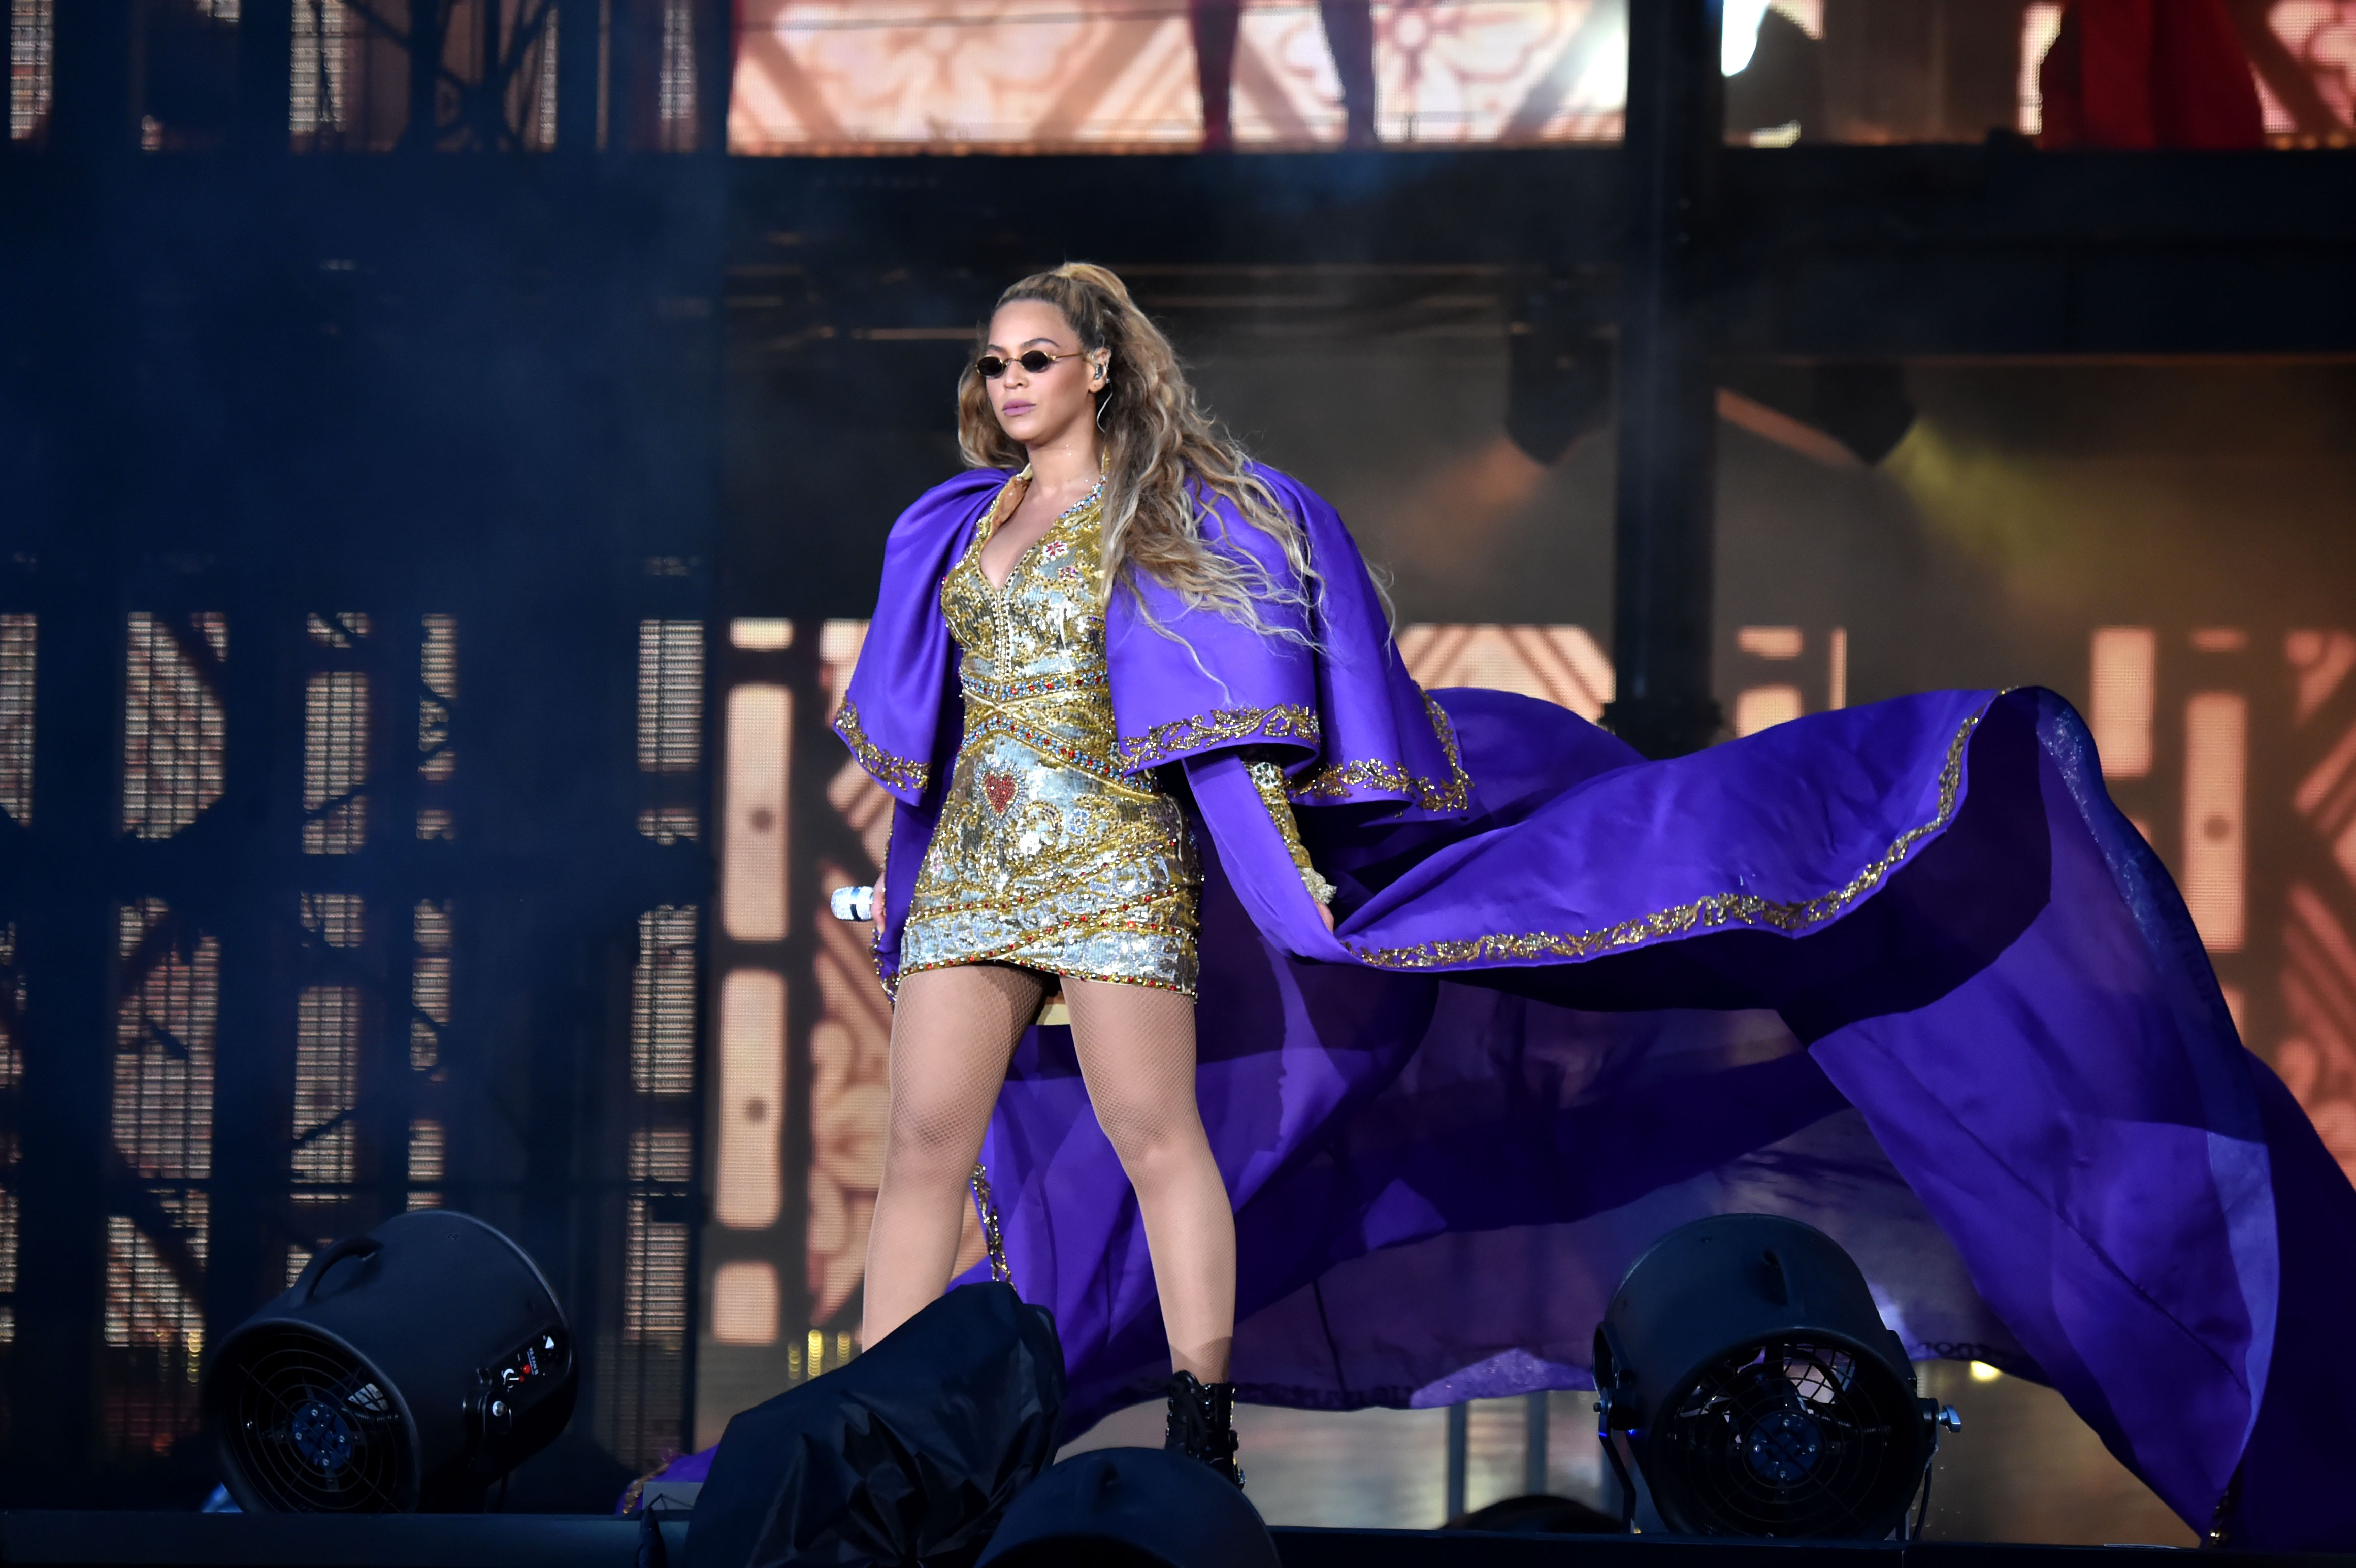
{"x": 1137, "y": 1052}
{"x": 1350, "y": 33}
{"x": 953, "y": 1032}
{"x": 1215, "y": 23}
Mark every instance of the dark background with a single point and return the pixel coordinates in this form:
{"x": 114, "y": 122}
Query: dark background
{"x": 561, "y": 395}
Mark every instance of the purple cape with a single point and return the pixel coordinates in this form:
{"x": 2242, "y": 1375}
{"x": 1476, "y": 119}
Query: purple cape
{"x": 1902, "y": 972}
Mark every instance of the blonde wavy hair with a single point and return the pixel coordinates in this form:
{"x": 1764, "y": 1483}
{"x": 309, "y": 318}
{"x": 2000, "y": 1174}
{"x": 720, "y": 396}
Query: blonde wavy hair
{"x": 1165, "y": 460}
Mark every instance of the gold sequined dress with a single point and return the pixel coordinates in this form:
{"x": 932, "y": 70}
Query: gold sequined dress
{"x": 1046, "y": 856}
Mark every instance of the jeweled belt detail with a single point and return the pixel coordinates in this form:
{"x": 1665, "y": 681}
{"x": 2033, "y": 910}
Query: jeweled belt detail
{"x": 977, "y": 689}
{"x": 1093, "y": 760}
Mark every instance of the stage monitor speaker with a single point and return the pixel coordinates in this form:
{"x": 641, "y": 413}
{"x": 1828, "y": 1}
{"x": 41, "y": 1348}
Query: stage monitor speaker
{"x": 1757, "y": 1387}
{"x": 406, "y": 1370}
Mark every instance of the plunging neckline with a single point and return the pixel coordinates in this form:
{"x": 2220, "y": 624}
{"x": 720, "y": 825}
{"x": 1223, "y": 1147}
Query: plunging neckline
{"x": 998, "y": 591}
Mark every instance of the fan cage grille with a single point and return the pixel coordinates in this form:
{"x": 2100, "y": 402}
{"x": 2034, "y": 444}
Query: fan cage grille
{"x": 311, "y": 1429}
{"x": 1788, "y": 1437}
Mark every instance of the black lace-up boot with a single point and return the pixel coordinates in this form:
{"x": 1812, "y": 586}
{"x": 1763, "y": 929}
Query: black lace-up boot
{"x": 1202, "y": 1423}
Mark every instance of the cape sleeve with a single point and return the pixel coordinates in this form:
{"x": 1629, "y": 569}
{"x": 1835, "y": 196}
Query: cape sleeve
{"x": 895, "y": 712}
{"x": 1186, "y": 682}
{"x": 1333, "y": 706}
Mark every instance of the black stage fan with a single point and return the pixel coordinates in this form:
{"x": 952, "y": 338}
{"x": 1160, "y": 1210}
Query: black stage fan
{"x": 1758, "y": 1389}
{"x": 406, "y": 1370}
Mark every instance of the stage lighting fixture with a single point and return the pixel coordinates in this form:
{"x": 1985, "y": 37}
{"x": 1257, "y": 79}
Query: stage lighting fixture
{"x": 1558, "y": 371}
{"x": 405, "y": 1371}
{"x": 1862, "y": 407}
{"x": 1743, "y": 1365}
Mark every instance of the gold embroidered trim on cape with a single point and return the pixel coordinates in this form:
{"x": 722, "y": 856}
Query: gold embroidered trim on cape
{"x": 1328, "y": 785}
{"x": 1286, "y": 721}
{"x": 1703, "y": 914}
{"x": 892, "y": 772}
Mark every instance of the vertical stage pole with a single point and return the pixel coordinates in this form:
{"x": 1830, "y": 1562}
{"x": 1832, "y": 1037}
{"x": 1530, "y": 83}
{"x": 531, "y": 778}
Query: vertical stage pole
{"x": 580, "y": 68}
{"x": 94, "y": 101}
{"x": 427, "y": 20}
{"x": 716, "y": 68}
{"x": 1534, "y": 1447}
{"x": 265, "y": 60}
{"x": 1460, "y": 1454}
{"x": 65, "y": 907}
{"x": 1663, "y": 533}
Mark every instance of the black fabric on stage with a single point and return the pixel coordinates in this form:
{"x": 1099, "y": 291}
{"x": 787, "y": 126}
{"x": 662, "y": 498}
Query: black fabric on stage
{"x": 1132, "y": 1507}
{"x": 911, "y": 1450}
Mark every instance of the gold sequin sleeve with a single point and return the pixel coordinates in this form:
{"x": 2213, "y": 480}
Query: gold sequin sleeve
{"x": 1269, "y": 779}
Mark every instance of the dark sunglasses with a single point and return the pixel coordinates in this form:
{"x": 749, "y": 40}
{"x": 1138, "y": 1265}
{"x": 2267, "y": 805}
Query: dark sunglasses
{"x": 991, "y": 367}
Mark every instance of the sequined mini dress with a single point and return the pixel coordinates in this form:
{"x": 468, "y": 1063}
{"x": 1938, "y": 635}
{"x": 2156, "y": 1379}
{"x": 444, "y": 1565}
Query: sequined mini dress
{"x": 1046, "y": 856}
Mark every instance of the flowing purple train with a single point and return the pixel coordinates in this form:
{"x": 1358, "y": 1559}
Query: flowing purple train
{"x": 1902, "y": 972}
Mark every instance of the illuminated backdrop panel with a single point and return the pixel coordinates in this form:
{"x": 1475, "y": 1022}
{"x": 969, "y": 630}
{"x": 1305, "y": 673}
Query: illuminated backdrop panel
{"x": 850, "y": 76}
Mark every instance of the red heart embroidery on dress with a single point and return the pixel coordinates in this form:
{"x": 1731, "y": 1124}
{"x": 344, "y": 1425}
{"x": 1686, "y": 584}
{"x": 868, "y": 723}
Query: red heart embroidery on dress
{"x": 999, "y": 790}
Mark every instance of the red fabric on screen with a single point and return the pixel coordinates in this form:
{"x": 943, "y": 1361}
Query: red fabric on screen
{"x": 2149, "y": 73}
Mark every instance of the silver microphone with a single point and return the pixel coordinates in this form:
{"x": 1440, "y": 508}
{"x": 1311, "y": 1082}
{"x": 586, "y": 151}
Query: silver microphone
{"x": 853, "y": 903}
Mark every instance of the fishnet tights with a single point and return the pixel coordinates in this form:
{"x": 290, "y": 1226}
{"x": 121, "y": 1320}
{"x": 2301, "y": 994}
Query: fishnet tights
{"x": 953, "y": 1031}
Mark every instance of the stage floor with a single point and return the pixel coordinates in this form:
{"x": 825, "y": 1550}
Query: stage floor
{"x": 558, "y": 1540}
